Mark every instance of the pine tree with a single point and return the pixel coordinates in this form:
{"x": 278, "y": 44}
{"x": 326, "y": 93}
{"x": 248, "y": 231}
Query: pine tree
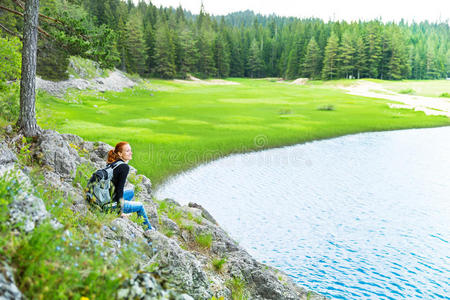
{"x": 374, "y": 50}
{"x": 331, "y": 58}
{"x": 255, "y": 62}
{"x": 205, "y": 55}
{"x": 360, "y": 58}
{"x": 347, "y": 55}
{"x": 164, "y": 56}
{"x": 311, "y": 66}
{"x": 135, "y": 51}
{"x": 292, "y": 65}
{"x": 221, "y": 57}
{"x": 398, "y": 66}
{"x": 186, "y": 52}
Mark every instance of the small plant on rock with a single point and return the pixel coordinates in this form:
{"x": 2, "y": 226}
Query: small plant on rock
{"x": 204, "y": 240}
{"x": 237, "y": 286}
{"x": 218, "y": 263}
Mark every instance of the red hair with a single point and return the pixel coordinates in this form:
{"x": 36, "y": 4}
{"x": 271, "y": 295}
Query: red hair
{"x": 113, "y": 155}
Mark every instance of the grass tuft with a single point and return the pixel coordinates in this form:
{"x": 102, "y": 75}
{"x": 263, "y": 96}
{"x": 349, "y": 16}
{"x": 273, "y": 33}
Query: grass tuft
{"x": 204, "y": 240}
{"x": 218, "y": 263}
{"x": 408, "y": 91}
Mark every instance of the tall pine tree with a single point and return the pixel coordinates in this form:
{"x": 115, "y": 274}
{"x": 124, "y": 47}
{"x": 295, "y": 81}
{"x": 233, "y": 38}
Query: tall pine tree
{"x": 331, "y": 58}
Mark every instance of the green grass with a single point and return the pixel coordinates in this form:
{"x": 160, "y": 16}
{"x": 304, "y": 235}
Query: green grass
{"x": 175, "y": 126}
{"x": 204, "y": 240}
{"x": 218, "y": 263}
{"x": 408, "y": 91}
{"x": 237, "y": 286}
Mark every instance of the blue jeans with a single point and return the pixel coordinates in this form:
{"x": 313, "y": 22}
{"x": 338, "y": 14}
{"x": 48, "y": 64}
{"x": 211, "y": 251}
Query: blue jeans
{"x": 134, "y": 206}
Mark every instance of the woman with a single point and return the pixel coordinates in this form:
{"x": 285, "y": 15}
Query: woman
{"x": 122, "y": 152}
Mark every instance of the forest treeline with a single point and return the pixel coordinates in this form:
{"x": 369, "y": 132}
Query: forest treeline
{"x": 171, "y": 42}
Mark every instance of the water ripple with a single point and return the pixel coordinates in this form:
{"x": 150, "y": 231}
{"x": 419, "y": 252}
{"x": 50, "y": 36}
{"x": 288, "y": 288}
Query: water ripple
{"x": 366, "y": 218}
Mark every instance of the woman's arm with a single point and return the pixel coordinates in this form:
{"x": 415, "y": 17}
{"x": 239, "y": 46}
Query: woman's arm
{"x": 120, "y": 177}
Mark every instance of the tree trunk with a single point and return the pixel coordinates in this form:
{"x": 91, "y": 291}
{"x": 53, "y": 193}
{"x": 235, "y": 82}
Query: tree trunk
{"x": 27, "y": 118}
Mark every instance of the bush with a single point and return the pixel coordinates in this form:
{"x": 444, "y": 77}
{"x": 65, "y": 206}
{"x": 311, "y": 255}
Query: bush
{"x": 204, "y": 240}
{"x": 328, "y": 107}
{"x": 237, "y": 287}
{"x": 218, "y": 263}
{"x": 407, "y": 91}
{"x": 445, "y": 95}
{"x": 10, "y": 59}
{"x": 10, "y": 102}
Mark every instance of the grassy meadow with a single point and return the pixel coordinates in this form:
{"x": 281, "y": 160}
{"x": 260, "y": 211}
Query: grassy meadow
{"x": 175, "y": 126}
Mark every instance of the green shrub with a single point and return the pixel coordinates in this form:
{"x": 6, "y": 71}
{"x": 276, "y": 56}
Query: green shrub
{"x": 11, "y": 59}
{"x": 407, "y": 91}
{"x": 10, "y": 102}
{"x": 167, "y": 232}
{"x": 328, "y": 107}
{"x": 218, "y": 263}
{"x": 237, "y": 286}
{"x": 204, "y": 240}
{"x": 445, "y": 95}
{"x": 83, "y": 174}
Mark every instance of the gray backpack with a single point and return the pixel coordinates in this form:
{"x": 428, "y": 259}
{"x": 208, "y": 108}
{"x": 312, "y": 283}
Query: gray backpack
{"x": 98, "y": 190}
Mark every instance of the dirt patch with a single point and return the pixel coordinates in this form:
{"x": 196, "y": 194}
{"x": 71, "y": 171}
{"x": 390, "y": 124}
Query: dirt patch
{"x": 300, "y": 81}
{"x": 429, "y": 105}
{"x": 194, "y": 80}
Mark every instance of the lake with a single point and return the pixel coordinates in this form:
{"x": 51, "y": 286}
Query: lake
{"x": 361, "y": 216}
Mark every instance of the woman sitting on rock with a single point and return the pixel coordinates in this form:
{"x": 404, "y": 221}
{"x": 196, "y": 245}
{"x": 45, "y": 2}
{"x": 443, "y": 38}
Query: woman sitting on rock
{"x": 122, "y": 152}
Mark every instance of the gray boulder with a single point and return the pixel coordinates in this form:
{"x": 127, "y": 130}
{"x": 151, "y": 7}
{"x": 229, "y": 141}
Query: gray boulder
{"x": 179, "y": 267}
{"x": 27, "y": 210}
{"x": 6, "y": 155}
{"x": 205, "y": 213}
{"x": 102, "y": 149}
{"x": 8, "y": 288}
{"x": 144, "y": 286}
{"x": 58, "y": 154}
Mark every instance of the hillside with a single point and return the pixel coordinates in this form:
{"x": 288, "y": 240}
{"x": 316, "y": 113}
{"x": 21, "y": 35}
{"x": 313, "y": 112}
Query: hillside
{"x": 53, "y": 245}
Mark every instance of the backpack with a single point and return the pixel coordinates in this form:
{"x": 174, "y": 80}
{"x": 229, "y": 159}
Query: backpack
{"x": 98, "y": 192}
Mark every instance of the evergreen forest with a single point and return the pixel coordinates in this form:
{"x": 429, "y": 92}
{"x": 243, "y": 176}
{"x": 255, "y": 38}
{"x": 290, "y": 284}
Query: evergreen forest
{"x": 173, "y": 43}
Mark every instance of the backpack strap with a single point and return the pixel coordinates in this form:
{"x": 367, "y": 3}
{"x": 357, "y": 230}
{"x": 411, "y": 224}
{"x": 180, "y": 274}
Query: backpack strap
{"x": 116, "y": 164}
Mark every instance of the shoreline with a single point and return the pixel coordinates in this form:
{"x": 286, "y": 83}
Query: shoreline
{"x": 429, "y": 105}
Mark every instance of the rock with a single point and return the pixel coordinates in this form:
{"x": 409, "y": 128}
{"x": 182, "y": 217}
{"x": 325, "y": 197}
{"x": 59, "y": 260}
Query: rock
{"x": 144, "y": 286}
{"x": 8, "y": 288}
{"x": 8, "y": 129}
{"x": 169, "y": 224}
{"x": 146, "y": 184}
{"x": 102, "y": 150}
{"x": 172, "y": 202}
{"x": 125, "y": 230}
{"x": 58, "y": 154}
{"x": 6, "y": 155}
{"x": 28, "y": 210}
{"x": 72, "y": 139}
{"x": 180, "y": 268}
{"x": 205, "y": 213}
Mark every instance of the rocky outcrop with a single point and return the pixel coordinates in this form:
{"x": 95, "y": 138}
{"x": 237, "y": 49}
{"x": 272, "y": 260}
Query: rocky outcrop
{"x": 116, "y": 81}
{"x": 8, "y": 288}
{"x": 183, "y": 267}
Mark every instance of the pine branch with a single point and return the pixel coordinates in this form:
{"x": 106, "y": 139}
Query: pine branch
{"x": 9, "y": 31}
{"x": 42, "y": 31}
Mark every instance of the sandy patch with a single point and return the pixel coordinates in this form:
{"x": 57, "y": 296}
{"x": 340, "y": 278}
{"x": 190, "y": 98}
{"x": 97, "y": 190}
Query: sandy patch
{"x": 195, "y": 80}
{"x": 300, "y": 81}
{"x": 429, "y": 105}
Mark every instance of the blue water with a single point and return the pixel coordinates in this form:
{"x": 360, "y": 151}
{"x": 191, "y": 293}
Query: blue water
{"x": 364, "y": 216}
